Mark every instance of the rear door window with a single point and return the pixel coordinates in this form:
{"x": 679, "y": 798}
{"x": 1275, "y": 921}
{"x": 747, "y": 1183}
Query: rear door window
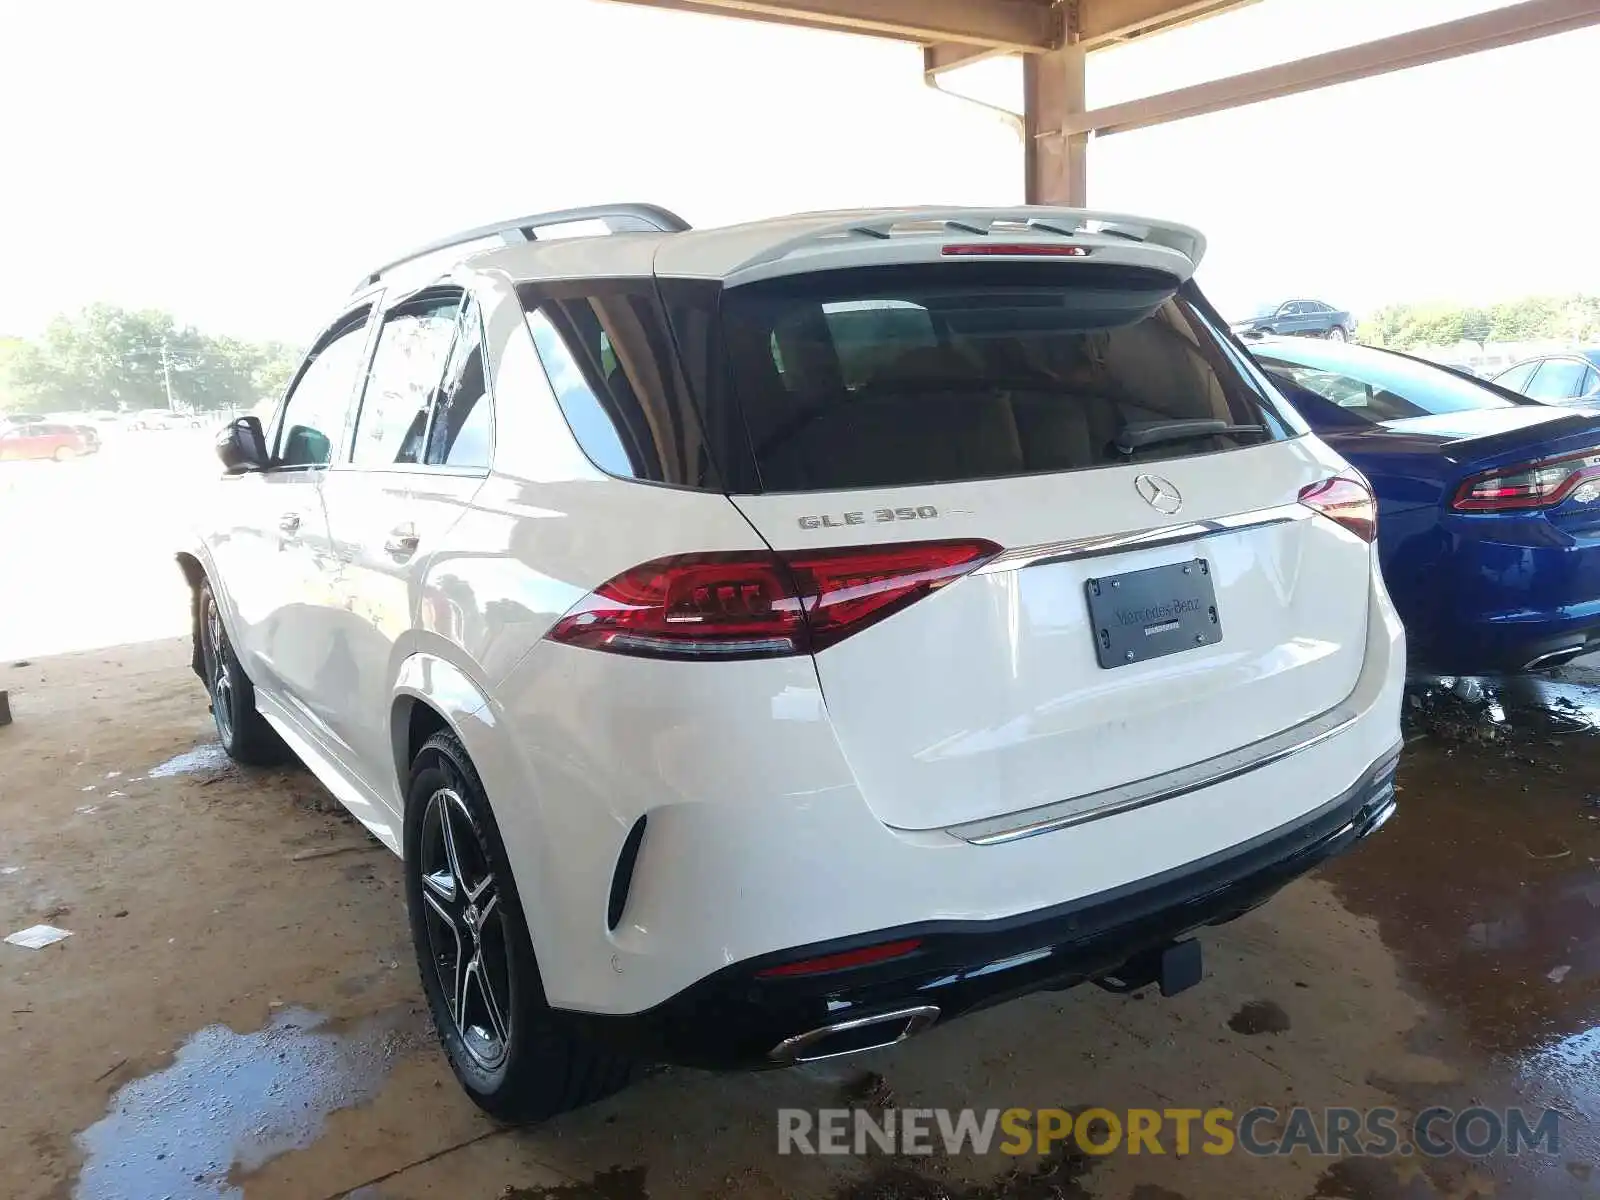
{"x": 908, "y": 375}
{"x": 1557, "y": 379}
{"x": 407, "y": 367}
{"x": 461, "y": 434}
{"x": 1517, "y": 377}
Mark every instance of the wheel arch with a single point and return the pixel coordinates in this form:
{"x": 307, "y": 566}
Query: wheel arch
{"x": 431, "y": 695}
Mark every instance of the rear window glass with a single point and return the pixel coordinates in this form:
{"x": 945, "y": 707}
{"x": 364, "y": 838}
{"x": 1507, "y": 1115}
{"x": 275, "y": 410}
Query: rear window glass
{"x": 895, "y": 376}
{"x": 1378, "y": 387}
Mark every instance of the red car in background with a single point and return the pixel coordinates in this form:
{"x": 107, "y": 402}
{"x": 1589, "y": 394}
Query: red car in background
{"x": 47, "y": 439}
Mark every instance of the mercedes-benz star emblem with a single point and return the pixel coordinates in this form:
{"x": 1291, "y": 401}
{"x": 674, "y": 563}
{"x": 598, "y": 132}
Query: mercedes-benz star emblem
{"x": 1159, "y": 493}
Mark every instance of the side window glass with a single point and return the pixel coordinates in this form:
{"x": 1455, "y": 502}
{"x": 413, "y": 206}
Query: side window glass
{"x": 608, "y": 354}
{"x": 316, "y": 408}
{"x": 596, "y": 432}
{"x": 462, "y": 434}
{"x": 1557, "y": 379}
{"x": 1517, "y": 377}
{"x": 1591, "y": 385}
{"x": 406, "y": 369}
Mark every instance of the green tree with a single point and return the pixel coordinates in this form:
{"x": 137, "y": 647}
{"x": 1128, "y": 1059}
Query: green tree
{"x": 1526, "y": 319}
{"x": 111, "y": 357}
{"x": 10, "y": 349}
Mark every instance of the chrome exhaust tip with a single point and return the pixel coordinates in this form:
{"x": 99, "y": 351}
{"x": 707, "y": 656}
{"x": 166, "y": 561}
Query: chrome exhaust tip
{"x": 1555, "y": 657}
{"x": 855, "y": 1035}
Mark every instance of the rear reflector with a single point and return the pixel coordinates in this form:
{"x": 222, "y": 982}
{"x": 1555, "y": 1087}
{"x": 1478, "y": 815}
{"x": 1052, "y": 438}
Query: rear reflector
{"x": 757, "y": 604}
{"x": 1036, "y": 249}
{"x": 864, "y": 957}
{"x": 1531, "y": 485}
{"x": 1344, "y": 501}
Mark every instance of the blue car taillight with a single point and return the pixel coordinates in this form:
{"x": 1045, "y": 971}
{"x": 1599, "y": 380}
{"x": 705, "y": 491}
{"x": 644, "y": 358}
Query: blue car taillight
{"x": 1532, "y": 485}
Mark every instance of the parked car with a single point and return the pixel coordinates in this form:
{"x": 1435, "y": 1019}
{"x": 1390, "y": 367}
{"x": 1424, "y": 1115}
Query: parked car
{"x": 163, "y": 418}
{"x": 1572, "y": 378}
{"x": 47, "y": 439}
{"x": 1489, "y": 505}
{"x": 763, "y": 643}
{"x": 1297, "y": 318}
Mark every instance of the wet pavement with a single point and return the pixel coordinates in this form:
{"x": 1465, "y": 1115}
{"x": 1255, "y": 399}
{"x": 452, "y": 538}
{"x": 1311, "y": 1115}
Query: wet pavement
{"x": 236, "y": 1015}
{"x": 230, "y": 1101}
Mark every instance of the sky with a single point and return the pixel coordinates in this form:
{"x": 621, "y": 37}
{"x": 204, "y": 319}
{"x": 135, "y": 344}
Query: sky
{"x": 243, "y": 165}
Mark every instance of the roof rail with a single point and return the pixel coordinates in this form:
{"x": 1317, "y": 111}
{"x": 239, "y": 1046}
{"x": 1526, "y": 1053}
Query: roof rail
{"x": 981, "y": 222}
{"x": 617, "y": 218}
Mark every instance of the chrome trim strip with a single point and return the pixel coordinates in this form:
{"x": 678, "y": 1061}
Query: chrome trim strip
{"x": 1127, "y": 796}
{"x": 1141, "y": 539}
{"x": 917, "y": 1018}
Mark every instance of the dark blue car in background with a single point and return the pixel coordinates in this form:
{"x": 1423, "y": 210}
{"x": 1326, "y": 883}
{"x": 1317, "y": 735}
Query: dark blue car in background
{"x": 1488, "y": 503}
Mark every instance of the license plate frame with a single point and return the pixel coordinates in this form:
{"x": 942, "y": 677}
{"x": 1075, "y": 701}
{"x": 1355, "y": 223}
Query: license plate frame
{"x": 1141, "y": 615}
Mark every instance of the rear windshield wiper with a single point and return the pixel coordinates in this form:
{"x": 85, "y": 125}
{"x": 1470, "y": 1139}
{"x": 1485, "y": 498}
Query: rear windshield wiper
{"x": 1134, "y": 438}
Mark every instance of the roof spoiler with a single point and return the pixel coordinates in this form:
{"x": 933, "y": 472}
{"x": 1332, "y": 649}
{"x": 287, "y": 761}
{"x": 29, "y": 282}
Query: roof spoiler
{"x": 982, "y": 222}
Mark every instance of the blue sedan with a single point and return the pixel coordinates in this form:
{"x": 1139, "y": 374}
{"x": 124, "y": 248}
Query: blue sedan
{"x": 1488, "y": 503}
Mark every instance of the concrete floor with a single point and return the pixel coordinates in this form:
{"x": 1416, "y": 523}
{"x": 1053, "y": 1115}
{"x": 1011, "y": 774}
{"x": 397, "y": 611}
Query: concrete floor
{"x": 233, "y": 1016}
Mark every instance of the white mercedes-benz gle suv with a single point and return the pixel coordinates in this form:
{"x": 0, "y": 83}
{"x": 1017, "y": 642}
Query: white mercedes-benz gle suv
{"x": 763, "y": 643}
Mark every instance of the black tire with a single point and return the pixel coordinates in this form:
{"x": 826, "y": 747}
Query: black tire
{"x": 1337, "y": 334}
{"x": 516, "y": 1060}
{"x": 244, "y": 732}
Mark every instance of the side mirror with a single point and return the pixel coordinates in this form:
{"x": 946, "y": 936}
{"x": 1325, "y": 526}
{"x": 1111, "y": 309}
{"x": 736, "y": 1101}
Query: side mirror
{"x": 242, "y": 446}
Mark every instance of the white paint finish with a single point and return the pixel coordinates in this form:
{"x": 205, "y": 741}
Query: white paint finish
{"x": 759, "y": 838}
{"x": 987, "y": 696}
{"x": 270, "y": 545}
{"x": 380, "y": 589}
{"x": 772, "y": 786}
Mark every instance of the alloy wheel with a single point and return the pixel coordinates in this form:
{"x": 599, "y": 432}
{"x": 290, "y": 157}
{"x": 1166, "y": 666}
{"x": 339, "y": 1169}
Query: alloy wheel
{"x": 466, "y": 929}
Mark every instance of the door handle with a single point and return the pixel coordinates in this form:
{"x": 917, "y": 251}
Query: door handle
{"x": 402, "y": 542}
{"x": 289, "y": 522}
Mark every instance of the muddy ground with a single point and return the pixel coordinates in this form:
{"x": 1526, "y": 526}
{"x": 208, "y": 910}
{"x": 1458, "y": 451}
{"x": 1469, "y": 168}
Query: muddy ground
{"x": 237, "y": 1011}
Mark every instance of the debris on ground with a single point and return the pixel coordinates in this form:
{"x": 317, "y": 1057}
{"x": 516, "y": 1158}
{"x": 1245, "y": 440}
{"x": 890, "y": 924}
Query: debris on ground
{"x": 1447, "y": 715}
{"x": 37, "y": 937}
{"x": 868, "y": 1090}
{"x": 325, "y": 851}
{"x": 1479, "y": 717}
{"x": 5, "y": 707}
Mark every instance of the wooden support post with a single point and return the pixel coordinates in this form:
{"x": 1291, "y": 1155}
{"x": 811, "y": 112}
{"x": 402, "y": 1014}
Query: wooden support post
{"x": 1056, "y": 162}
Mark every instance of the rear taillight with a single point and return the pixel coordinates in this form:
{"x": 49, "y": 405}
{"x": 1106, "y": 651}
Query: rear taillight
{"x": 758, "y": 604}
{"x": 1344, "y": 501}
{"x": 1532, "y": 485}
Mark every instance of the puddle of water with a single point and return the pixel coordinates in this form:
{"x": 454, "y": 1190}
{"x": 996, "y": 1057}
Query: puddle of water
{"x": 230, "y": 1102}
{"x": 210, "y": 757}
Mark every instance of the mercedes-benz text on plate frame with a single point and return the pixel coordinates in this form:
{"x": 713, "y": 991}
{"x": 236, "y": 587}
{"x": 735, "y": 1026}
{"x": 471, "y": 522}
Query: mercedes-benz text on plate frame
{"x": 1160, "y": 494}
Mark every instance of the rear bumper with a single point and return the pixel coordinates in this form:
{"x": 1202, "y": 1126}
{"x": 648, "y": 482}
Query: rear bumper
{"x": 1522, "y": 592}
{"x": 734, "y": 1018}
{"x": 759, "y": 840}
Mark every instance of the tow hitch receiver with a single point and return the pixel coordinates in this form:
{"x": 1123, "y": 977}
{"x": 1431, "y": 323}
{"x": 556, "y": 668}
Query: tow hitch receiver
{"x": 1176, "y": 968}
